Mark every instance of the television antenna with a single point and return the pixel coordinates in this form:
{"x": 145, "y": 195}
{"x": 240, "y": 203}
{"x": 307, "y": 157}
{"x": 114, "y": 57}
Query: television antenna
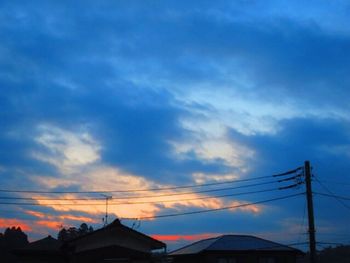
{"x": 105, "y": 218}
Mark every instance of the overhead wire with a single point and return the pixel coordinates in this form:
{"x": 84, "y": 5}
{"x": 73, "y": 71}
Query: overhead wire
{"x": 152, "y": 196}
{"x": 335, "y": 182}
{"x": 143, "y": 202}
{"x": 133, "y": 190}
{"x": 337, "y": 237}
{"x": 288, "y": 172}
{"x": 329, "y": 243}
{"x": 302, "y": 223}
{"x": 37, "y": 200}
{"x": 332, "y": 194}
{"x": 214, "y": 209}
{"x": 160, "y": 195}
{"x": 153, "y": 189}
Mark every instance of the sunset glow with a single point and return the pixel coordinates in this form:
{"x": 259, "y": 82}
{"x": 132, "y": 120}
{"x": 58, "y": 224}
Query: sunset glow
{"x": 25, "y": 226}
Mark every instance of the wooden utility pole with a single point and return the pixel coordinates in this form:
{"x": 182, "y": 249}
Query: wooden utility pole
{"x": 310, "y": 209}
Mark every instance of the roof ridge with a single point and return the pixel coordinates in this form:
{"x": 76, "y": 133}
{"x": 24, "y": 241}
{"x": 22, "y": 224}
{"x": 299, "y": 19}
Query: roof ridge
{"x": 218, "y": 239}
{"x": 49, "y": 237}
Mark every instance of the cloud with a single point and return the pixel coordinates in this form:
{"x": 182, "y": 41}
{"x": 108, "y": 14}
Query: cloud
{"x": 66, "y": 150}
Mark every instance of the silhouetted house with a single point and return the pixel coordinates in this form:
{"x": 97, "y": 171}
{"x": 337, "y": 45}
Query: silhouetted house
{"x": 235, "y": 249}
{"x": 113, "y": 243}
{"x": 44, "y": 250}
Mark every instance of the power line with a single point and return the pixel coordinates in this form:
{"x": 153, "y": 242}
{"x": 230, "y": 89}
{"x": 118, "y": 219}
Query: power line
{"x": 342, "y": 239}
{"x": 330, "y": 243}
{"x": 288, "y": 179}
{"x": 302, "y": 223}
{"x": 191, "y": 199}
{"x": 171, "y": 194}
{"x": 289, "y": 172}
{"x": 332, "y": 194}
{"x": 336, "y": 182}
{"x": 154, "y": 196}
{"x": 215, "y": 209}
{"x": 140, "y": 202}
{"x": 52, "y": 199}
{"x": 133, "y": 190}
{"x": 196, "y": 192}
{"x": 336, "y": 237}
{"x": 205, "y": 197}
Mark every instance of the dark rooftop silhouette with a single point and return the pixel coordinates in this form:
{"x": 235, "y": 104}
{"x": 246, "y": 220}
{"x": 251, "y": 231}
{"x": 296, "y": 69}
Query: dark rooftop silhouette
{"x": 47, "y": 243}
{"x": 232, "y": 243}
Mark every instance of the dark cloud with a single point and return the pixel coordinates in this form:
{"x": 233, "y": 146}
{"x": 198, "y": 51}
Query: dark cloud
{"x": 174, "y": 43}
{"x": 322, "y": 141}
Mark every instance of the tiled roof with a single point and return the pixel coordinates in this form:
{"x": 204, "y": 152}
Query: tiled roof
{"x": 232, "y": 243}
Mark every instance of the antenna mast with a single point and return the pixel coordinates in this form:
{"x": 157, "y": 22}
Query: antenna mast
{"x": 105, "y": 219}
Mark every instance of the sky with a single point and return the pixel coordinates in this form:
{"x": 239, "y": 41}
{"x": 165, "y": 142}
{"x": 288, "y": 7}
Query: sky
{"x": 123, "y": 95}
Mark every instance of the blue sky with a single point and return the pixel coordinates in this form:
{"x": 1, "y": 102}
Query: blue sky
{"x": 141, "y": 94}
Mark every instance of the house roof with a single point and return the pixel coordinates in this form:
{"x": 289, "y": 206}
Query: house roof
{"x": 232, "y": 243}
{"x": 47, "y": 243}
{"x": 156, "y": 244}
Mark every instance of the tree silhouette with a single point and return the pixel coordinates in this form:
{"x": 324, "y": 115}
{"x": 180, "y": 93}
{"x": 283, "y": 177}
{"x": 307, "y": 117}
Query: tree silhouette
{"x": 11, "y": 239}
{"x": 73, "y": 232}
{"x": 14, "y": 237}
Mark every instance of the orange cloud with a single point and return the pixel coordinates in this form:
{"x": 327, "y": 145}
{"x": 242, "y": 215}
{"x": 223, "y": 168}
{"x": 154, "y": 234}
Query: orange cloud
{"x": 55, "y": 225}
{"x": 77, "y": 218}
{"x": 35, "y": 213}
{"x": 174, "y": 238}
{"x": 139, "y": 205}
{"x": 10, "y": 222}
{"x": 53, "y": 222}
{"x": 250, "y": 208}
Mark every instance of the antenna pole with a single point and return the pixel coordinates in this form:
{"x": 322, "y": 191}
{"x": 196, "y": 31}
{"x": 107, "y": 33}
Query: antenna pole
{"x": 107, "y": 197}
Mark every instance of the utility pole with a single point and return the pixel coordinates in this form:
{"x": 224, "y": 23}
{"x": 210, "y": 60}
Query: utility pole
{"x": 310, "y": 210}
